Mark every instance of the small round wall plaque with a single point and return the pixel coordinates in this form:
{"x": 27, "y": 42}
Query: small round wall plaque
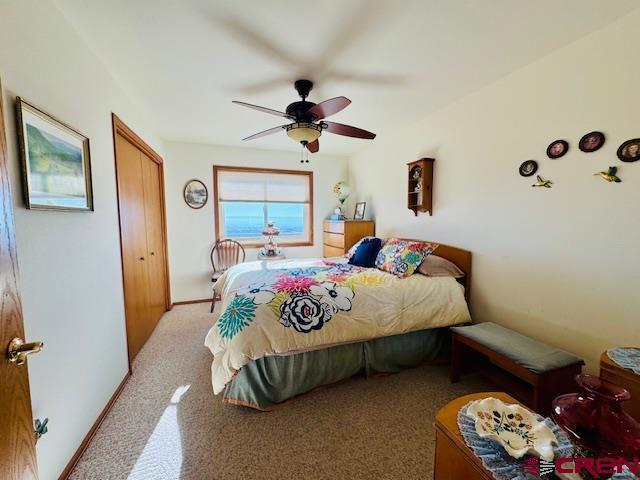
{"x": 591, "y": 142}
{"x": 195, "y": 194}
{"x": 557, "y": 148}
{"x": 528, "y": 168}
{"x": 629, "y": 151}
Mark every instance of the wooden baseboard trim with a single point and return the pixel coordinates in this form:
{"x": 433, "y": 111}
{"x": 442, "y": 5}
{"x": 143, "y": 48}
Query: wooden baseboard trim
{"x": 189, "y": 302}
{"x": 94, "y": 428}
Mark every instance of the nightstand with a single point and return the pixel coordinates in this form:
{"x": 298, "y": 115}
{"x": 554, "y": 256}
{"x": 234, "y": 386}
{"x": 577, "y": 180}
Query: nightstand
{"x": 454, "y": 460}
{"x": 339, "y": 236}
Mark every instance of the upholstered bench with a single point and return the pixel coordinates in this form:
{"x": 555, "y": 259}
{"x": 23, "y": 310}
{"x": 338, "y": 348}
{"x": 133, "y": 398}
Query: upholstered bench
{"x": 532, "y": 371}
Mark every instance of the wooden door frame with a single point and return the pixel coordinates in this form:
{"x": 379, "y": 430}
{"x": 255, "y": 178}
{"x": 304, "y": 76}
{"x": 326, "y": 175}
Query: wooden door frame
{"x": 120, "y": 128}
{"x": 17, "y": 440}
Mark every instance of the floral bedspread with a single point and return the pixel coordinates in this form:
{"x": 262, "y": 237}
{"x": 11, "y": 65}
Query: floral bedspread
{"x": 291, "y": 306}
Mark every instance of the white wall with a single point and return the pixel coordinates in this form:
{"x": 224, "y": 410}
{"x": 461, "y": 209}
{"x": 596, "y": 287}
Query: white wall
{"x": 71, "y": 280}
{"x": 559, "y": 264}
{"x": 191, "y": 232}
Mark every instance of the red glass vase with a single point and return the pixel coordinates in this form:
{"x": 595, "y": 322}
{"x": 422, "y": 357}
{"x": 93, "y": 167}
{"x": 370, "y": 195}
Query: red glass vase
{"x": 595, "y": 421}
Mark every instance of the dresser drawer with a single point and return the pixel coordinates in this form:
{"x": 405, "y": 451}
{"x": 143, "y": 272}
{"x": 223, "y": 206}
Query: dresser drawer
{"x": 330, "y": 251}
{"x": 333, "y": 239}
{"x": 333, "y": 227}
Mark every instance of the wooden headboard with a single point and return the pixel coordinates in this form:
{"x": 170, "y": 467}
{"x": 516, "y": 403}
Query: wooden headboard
{"x": 462, "y": 258}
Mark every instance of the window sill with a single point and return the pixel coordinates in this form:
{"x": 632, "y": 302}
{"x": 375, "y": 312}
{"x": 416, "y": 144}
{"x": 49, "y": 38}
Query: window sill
{"x": 280, "y": 244}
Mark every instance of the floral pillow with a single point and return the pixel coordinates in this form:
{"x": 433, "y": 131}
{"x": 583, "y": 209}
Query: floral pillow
{"x": 402, "y": 257}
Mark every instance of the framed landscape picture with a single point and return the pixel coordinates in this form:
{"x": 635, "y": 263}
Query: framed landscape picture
{"x": 195, "y": 194}
{"x": 56, "y": 168}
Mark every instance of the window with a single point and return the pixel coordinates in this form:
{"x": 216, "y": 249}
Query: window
{"x": 247, "y": 198}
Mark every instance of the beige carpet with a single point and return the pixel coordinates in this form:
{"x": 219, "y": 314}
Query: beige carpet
{"x": 167, "y": 424}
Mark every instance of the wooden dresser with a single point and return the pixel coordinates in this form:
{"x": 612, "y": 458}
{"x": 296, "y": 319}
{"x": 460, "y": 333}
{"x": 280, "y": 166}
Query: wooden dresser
{"x": 625, "y": 378}
{"x": 339, "y": 236}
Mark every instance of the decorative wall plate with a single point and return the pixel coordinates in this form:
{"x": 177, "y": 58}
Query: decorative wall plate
{"x": 528, "y": 168}
{"x": 557, "y": 148}
{"x": 514, "y": 427}
{"x": 195, "y": 194}
{"x": 629, "y": 151}
{"x": 591, "y": 142}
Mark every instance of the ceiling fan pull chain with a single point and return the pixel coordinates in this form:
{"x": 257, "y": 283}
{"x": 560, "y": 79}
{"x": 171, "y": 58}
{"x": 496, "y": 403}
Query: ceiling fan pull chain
{"x": 304, "y": 154}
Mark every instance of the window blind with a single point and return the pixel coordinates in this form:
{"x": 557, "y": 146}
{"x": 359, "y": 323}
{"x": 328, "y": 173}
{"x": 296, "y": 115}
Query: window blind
{"x": 243, "y": 186}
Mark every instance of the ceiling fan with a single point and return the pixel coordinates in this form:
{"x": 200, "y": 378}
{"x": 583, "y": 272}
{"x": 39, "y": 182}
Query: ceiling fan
{"x": 308, "y": 119}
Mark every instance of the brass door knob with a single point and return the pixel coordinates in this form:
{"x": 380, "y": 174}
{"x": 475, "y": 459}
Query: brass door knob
{"x": 18, "y": 350}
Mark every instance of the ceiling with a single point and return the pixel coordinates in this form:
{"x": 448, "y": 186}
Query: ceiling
{"x": 397, "y": 60}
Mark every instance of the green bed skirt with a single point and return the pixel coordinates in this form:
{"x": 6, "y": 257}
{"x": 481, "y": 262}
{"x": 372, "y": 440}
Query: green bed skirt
{"x": 265, "y": 382}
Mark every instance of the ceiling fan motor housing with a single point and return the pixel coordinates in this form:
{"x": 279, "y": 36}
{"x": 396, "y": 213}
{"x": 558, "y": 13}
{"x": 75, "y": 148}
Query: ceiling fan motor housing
{"x": 299, "y": 111}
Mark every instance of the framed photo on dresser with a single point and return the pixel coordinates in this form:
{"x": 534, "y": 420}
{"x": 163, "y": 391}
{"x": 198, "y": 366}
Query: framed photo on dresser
{"x": 358, "y": 214}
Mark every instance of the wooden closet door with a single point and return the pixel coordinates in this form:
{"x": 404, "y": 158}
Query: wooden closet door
{"x": 156, "y": 282}
{"x": 133, "y": 238}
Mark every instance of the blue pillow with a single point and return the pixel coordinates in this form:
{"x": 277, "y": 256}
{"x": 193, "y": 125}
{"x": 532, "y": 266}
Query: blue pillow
{"x": 366, "y": 253}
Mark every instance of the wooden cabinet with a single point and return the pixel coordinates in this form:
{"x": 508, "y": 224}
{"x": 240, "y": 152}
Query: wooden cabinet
{"x": 420, "y": 186}
{"x": 625, "y": 378}
{"x": 454, "y": 460}
{"x": 339, "y": 236}
{"x": 142, "y": 236}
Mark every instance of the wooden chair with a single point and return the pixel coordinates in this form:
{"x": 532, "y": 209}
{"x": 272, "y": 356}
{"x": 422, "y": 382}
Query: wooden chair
{"x": 224, "y": 255}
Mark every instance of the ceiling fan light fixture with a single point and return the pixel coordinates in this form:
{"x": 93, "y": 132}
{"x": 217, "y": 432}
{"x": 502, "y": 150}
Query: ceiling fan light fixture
{"x": 304, "y": 132}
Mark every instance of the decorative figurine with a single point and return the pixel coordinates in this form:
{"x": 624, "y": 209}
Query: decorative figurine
{"x": 542, "y": 182}
{"x": 41, "y": 427}
{"x": 610, "y": 175}
{"x": 270, "y": 249}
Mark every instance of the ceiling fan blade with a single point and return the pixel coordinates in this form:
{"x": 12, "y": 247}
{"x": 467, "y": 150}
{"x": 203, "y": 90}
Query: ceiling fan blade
{"x": 329, "y": 107}
{"x": 264, "y": 133}
{"x": 314, "y": 146}
{"x": 347, "y": 130}
{"x": 262, "y": 109}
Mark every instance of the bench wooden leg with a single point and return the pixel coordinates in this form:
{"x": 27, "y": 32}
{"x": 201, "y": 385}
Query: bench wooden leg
{"x": 456, "y": 359}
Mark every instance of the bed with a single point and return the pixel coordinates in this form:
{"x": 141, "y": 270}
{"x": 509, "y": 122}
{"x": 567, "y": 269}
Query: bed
{"x": 287, "y": 327}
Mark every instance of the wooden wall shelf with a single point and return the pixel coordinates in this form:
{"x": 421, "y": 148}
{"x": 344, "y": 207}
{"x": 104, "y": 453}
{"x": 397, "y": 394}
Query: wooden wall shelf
{"x": 420, "y": 186}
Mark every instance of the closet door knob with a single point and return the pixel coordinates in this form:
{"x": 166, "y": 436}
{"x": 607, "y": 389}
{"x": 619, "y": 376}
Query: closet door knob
{"x": 153, "y": 253}
{"x": 141, "y": 258}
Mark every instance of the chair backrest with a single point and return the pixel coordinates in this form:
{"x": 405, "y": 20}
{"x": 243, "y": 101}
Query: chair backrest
{"x": 225, "y": 254}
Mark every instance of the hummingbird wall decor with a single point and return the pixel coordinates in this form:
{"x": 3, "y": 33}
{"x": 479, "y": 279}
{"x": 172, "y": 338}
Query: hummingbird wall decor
{"x": 610, "y": 175}
{"x": 542, "y": 182}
